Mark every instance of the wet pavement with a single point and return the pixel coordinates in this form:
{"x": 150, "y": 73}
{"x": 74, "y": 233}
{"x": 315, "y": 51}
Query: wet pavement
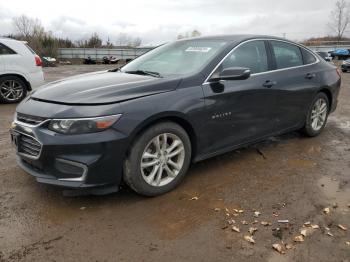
{"x": 289, "y": 177}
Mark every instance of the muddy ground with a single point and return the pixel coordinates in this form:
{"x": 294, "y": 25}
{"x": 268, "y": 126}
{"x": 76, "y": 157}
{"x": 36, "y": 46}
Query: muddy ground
{"x": 287, "y": 177}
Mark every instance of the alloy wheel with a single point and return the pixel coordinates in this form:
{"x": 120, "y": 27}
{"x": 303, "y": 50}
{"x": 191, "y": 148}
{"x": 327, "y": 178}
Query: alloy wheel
{"x": 162, "y": 159}
{"x": 11, "y": 90}
{"x": 319, "y": 114}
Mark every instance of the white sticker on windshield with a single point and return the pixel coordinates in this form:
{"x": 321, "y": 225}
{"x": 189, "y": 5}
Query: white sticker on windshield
{"x": 198, "y": 49}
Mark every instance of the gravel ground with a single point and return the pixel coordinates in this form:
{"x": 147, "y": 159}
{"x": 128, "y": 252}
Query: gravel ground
{"x": 289, "y": 177}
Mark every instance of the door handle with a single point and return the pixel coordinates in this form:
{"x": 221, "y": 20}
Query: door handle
{"x": 310, "y": 76}
{"x": 269, "y": 84}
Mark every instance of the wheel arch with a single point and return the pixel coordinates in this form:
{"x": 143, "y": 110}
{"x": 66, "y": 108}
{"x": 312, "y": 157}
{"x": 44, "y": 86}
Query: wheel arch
{"x": 28, "y": 86}
{"x": 328, "y": 94}
{"x": 175, "y": 117}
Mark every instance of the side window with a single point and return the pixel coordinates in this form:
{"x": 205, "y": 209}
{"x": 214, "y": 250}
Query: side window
{"x": 4, "y": 50}
{"x": 287, "y": 55}
{"x": 308, "y": 57}
{"x": 250, "y": 55}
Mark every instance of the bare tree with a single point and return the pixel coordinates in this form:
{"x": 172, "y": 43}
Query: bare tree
{"x": 340, "y": 18}
{"x": 28, "y": 27}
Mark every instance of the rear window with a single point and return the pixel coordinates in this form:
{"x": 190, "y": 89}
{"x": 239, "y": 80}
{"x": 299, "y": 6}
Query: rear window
{"x": 287, "y": 55}
{"x": 5, "y": 50}
{"x": 309, "y": 58}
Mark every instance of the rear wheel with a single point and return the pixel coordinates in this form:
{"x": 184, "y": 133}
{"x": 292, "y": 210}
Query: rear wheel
{"x": 317, "y": 116}
{"x": 158, "y": 160}
{"x": 12, "y": 89}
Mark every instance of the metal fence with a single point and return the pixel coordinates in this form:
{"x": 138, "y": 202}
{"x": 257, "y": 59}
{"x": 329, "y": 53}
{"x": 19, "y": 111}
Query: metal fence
{"x": 99, "y": 53}
{"x": 327, "y": 48}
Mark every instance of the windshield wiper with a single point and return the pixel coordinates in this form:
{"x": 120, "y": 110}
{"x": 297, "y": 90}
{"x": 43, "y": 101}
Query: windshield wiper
{"x": 144, "y": 72}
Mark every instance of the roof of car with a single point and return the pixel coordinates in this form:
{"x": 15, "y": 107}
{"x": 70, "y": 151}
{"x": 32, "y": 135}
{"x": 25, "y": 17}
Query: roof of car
{"x": 236, "y": 38}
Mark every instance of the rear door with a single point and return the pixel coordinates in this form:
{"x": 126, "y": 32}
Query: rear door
{"x": 239, "y": 111}
{"x": 296, "y": 80}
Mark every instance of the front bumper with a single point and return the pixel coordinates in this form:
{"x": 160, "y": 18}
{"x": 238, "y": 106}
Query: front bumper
{"x": 75, "y": 161}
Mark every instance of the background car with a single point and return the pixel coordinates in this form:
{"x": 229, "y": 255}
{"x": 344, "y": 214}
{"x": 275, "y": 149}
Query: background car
{"x": 20, "y": 70}
{"x": 345, "y": 65}
{"x": 325, "y": 55}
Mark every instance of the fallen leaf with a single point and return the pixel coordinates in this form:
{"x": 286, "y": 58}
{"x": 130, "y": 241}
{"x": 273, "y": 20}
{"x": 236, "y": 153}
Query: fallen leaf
{"x": 315, "y": 226}
{"x": 252, "y": 230}
{"x": 307, "y": 224}
{"x": 82, "y": 208}
{"x": 194, "y": 198}
{"x": 330, "y": 234}
{"x": 275, "y": 214}
{"x": 255, "y": 222}
{"x": 249, "y": 239}
{"x": 231, "y": 221}
{"x": 265, "y": 224}
{"x": 342, "y": 227}
{"x": 236, "y": 229}
{"x": 326, "y": 210}
{"x": 299, "y": 238}
{"x": 227, "y": 211}
{"x": 283, "y": 221}
{"x": 244, "y": 222}
{"x": 279, "y": 248}
{"x": 304, "y": 232}
{"x": 240, "y": 211}
{"x": 216, "y": 209}
{"x": 327, "y": 228}
{"x": 347, "y": 243}
{"x": 289, "y": 246}
{"x": 257, "y": 214}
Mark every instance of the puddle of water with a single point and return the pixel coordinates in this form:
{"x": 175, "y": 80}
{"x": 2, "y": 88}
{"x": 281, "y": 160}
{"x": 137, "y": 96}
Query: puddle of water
{"x": 334, "y": 193}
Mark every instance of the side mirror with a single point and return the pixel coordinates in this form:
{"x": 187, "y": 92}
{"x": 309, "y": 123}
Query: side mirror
{"x": 231, "y": 73}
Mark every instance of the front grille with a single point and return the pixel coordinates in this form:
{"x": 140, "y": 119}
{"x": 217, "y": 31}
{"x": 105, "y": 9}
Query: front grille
{"x": 32, "y": 120}
{"x": 29, "y": 146}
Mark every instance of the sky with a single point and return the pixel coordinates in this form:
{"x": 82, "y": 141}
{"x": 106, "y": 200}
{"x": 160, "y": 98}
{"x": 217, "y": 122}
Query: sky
{"x": 159, "y": 21}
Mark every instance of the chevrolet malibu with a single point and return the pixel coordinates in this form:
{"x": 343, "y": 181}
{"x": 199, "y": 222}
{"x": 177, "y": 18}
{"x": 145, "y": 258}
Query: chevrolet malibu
{"x": 183, "y": 102}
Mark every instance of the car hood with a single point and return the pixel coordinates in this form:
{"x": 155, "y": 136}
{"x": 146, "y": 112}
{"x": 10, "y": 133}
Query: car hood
{"x": 103, "y": 87}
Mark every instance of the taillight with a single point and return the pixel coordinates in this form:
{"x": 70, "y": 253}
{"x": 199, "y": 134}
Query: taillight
{"x": 339, "y": 72}
{"x": 38, "y": 61}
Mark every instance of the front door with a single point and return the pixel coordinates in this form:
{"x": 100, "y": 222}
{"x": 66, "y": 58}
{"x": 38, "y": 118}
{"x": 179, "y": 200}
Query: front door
{"x": 240, "y": 111}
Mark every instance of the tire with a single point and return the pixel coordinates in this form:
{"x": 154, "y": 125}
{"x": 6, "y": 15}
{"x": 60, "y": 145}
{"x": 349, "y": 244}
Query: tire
{"x": 344, "y": 71}
{"x": 310, "y": 129}
{"x": 12, "y": 89}
{"x": 144, "y": 150}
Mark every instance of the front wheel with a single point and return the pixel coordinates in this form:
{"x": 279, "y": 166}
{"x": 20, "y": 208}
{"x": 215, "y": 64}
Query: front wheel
{"x": 158, "y": 160}
{"x": 316, "y": 118}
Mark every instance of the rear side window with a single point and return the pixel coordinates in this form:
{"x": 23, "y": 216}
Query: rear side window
{"x": 308, "y": 57}
{"x": 250, "y": 55}
{"x": 4, "y": 50}
{"x": 287, "y": 55}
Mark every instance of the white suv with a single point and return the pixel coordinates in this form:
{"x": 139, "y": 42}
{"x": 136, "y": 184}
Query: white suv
{"x": 20, "y": 70}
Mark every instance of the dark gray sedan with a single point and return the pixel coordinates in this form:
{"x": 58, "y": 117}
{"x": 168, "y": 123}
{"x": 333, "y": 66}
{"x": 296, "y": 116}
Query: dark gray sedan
{"x": 182, "y": 102}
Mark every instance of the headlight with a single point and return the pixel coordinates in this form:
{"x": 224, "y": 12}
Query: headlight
{"x": 72, "y": 126}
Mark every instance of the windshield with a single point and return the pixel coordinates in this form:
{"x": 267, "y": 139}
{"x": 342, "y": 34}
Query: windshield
{"x": 177, "y": 58}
